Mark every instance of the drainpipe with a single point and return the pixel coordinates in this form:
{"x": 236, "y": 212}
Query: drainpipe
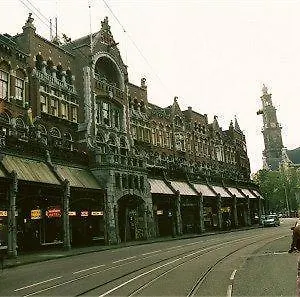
{"x": 248, "y": 212}
{"x": 12, "y": 223}
{"x": 235, "y": 215}
{"x": 65, "y": 215}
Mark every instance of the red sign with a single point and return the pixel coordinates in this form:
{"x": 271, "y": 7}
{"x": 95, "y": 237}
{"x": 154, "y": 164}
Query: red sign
{"x": 53, "y": 213}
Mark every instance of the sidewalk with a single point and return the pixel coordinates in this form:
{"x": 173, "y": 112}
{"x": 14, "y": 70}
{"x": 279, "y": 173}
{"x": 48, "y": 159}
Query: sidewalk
{"x": 54, "y": 253}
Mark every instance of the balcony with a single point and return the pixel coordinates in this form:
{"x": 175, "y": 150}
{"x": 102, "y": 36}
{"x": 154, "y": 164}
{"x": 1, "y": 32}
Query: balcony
{"x": 50, "y": 80}
{"x": 105, "y": 88}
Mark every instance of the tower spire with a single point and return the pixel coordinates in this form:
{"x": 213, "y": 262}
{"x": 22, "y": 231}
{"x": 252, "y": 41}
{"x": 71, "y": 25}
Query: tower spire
{"x": 272, "y": 153}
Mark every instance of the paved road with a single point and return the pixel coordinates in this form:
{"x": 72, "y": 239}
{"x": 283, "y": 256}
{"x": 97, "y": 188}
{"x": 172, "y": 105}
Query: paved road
{"x": 245, "y": 263}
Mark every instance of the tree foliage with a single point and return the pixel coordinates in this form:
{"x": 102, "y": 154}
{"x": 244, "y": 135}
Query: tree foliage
{"x": 280, "y": 188}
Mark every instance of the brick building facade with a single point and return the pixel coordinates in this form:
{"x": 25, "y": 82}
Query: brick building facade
{"x": 85, "y": 157}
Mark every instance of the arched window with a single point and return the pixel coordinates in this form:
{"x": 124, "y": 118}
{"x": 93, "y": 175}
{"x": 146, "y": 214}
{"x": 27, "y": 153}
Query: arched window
{"x": 39, "y": 62}
{"x": 20, "y": 123}
{"x": 68, "y": 140}
{"x": 69, "y": 78}
{"x": 54, "y": 132}
{"x": 49, "y": 67}
{"x": 59, "y": 73}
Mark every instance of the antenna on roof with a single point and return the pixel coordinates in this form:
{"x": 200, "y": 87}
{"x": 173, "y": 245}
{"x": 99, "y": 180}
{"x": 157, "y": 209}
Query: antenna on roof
{"x": 91, "y": 37}
{"x": 51, "y": 35}
{"x": 56, "y": 28}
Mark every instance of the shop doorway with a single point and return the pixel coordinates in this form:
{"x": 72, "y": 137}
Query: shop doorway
{"x": 131, "y": 218}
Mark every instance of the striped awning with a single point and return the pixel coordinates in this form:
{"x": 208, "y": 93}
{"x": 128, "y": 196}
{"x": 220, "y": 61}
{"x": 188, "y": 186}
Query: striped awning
{"x": 29, "y": 169}
{"x": 220, "y": 190}
{"x": 183, "y": 188}
{"x": 257, "y": 194}
{"x": 158, "y": 186}
{"x": 236, "y": 192}
{"x": 204, "y": 190}
{"x": 78, "y": 177}
{"x": 246, "y": 192}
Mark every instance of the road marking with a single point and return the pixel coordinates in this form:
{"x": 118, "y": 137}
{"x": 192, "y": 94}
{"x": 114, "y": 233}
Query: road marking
{"x": 124, "y": 259}
{"x": 36, "y": 284}
{"x": 233, "y": 275}
{"x": 88, "y": 269}
{"x": 154, "y": 252}
{"x": 230, "y": 287}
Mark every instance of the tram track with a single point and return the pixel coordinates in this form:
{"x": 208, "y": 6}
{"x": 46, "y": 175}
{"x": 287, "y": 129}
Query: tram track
{"x": 161, "y": 264}
{"x": 183, "y": 255}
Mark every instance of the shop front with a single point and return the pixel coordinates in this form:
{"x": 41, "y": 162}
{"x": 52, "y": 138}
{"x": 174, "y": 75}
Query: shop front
{"x": 163, "y": 200}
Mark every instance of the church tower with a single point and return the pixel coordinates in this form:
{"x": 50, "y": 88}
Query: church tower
{"x": 272, "y": 153}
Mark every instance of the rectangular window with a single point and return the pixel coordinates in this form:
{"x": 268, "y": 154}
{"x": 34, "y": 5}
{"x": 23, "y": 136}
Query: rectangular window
{"x": 117, "y": 118}
{"x": 64, "y": 110}
{"x": 43, "y": 100}
{"x": 19, "y": 89}
{"x": 54, "y": 107}
{"x": 3, "y": 85}
{"x": 105, "y": 113}
{"x": 74, "y": 113}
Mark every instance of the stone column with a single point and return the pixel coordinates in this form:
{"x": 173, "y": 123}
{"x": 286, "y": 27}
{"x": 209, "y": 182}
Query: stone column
{"x": 235, "y": 215}
{"x": 65, "y": 215}
{"x": 155, "y": 221}
{"x": 219, "y": 211}
{"x": 12, "y": 222}
{"x": 178, "y": 214}
{"x": 145, "y": 227}
{"x": 201, "y": 215}
{"x": 110, "y": 225}
{"x": 116, "y": 211}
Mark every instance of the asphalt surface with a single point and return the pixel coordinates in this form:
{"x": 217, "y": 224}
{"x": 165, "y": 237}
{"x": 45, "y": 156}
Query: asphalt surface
{"x": 257, "y": 260}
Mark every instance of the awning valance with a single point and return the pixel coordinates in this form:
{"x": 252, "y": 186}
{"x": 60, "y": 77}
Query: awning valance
{"x": 246, "y": 192}
{"x": 204, "y": 190}
{"x": 220, "y": 190}
{"x": 78, "y": 177}
{"x": 183, "y": 188}
{"x": 29, "y": 169}
{"x": 158, "y": 186}
{"x": 236, "y": 192}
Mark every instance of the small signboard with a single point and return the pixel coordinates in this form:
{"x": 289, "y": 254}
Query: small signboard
{"x": 72, "y": 213}
{"x": 160, "y": 212}
{"x": 53, "y": 213}
{"x": 97, "y": 213}
{"x": 36, "y": 214}
{"x": 84, "y": 213}
{"x": 3, "y": 213}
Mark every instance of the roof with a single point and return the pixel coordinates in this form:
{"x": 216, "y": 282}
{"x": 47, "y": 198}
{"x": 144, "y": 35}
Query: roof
{"x": 159, "y": 187}
{"x": 236, "y": 192}
{"x": 183, "y": 188}
{"x": 29, "y": 169}
{"x": 204, "y": 190}
{"x": 78, "y": 177}
{"x": 246, "y": 192}
{"x": 220, "y": 190}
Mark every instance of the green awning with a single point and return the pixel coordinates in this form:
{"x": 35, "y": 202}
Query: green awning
{"x": 29, "y": 169}
{"x": 78, "y": 177}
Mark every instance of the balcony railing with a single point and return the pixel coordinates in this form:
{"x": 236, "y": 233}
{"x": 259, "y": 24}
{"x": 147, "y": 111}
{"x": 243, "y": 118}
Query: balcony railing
{"x": 49, "y": 79}
{"x": 108, "y": 88}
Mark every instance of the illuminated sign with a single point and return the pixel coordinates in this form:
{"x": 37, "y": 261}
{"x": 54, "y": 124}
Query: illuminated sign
{"x": 3, "y": 213}
{"x": 53, "y": 213}
{"x": 97, "y": 213}
{"x": 160, "y": 212}
{"x": 36, "y": 214}
{"x": 72, "y": 213}
{"x": 84, "y": 213}
{"x": 225, "y": 209}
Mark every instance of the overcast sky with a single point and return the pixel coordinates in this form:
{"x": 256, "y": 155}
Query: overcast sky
{"x": 213, "y": 55}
